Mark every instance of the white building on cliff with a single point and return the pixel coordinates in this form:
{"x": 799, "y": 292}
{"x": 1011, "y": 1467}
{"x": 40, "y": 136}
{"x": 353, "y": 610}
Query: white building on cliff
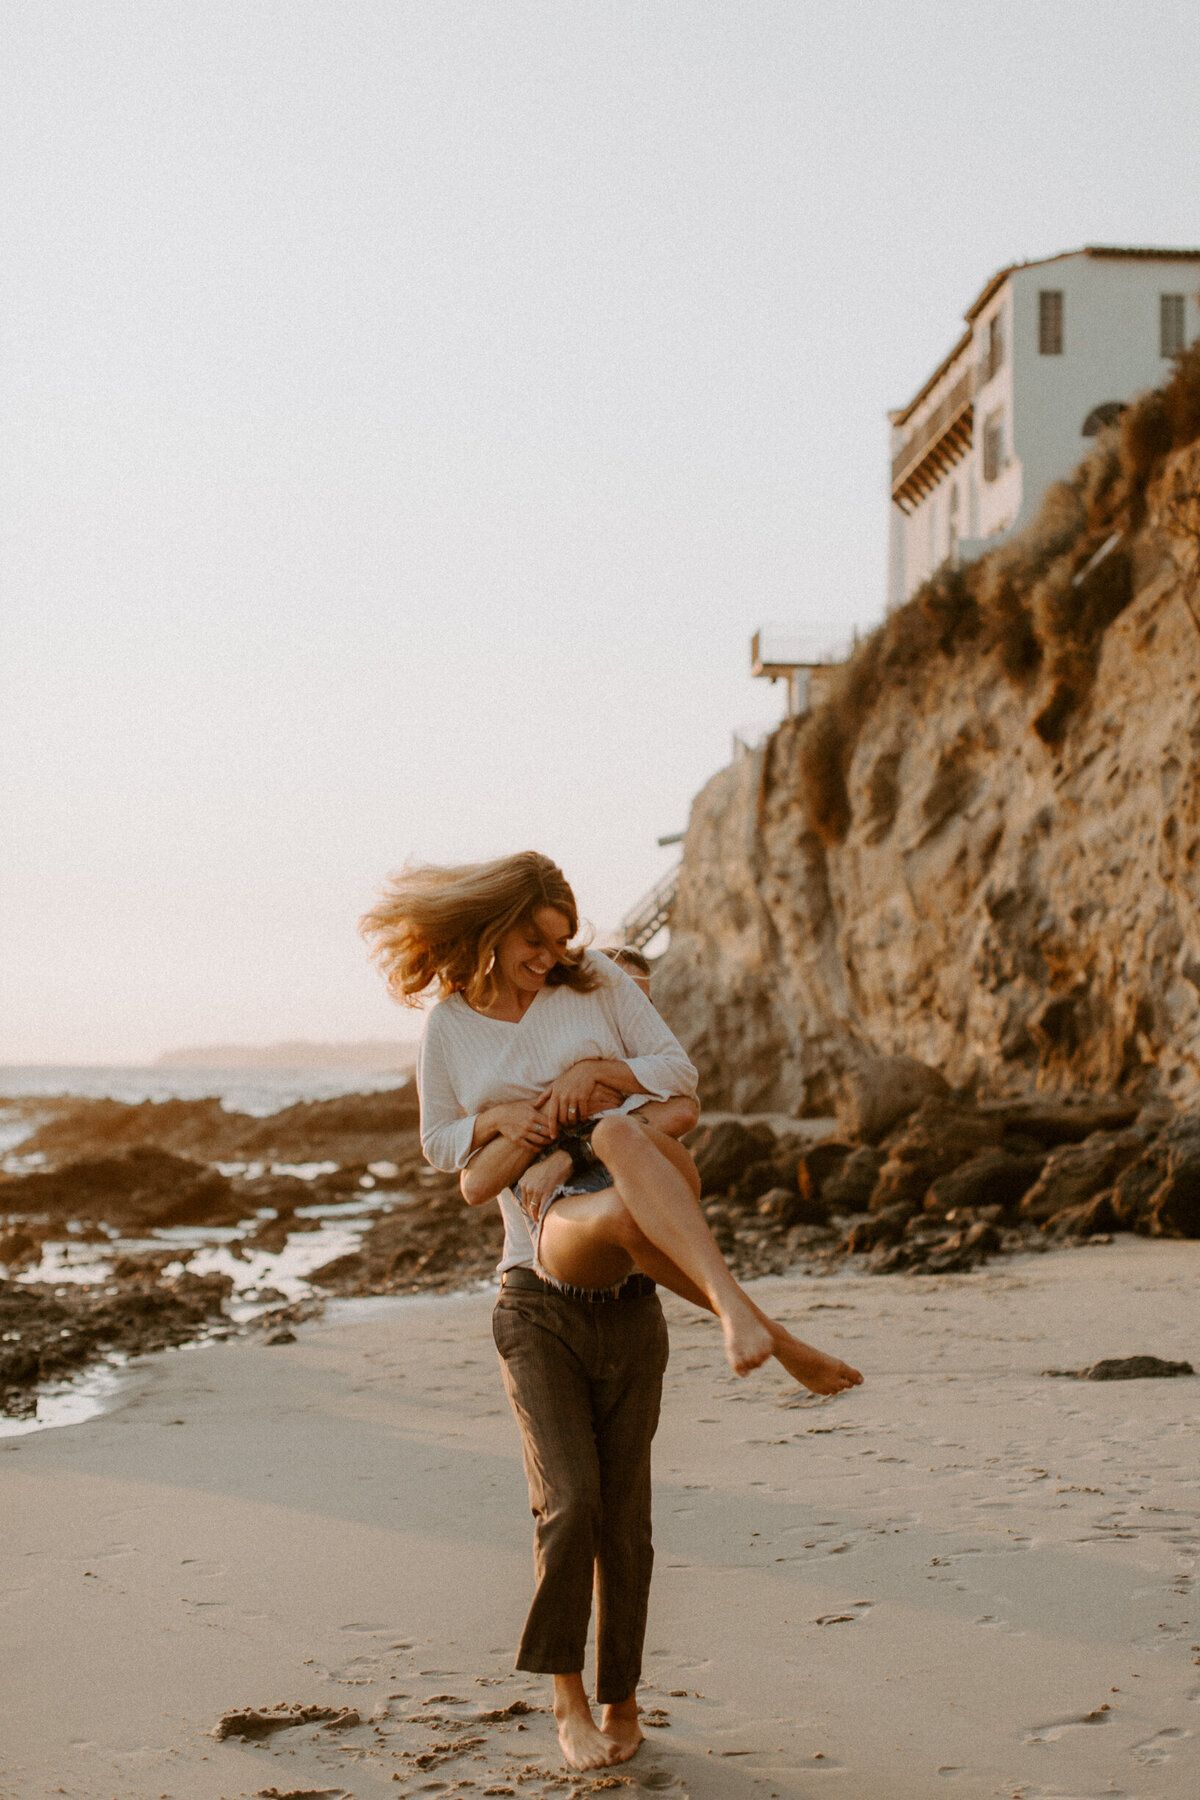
{"x": 1051, "y": 351}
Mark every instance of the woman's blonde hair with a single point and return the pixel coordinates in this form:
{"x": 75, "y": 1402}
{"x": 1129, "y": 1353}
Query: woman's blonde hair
{"x": 437, "y": 927}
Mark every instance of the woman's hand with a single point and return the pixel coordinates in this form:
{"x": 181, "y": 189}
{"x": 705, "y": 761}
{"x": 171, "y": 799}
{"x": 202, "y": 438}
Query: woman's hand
{"x": 568, "y": 1100}
{"x": 540, "y": 1180}
{"x": 604, "y": 1099}
{"x": 522, "y": 1123}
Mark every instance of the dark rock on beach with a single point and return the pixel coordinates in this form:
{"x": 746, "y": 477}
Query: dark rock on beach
{"x": 138, "y": 1189}
{"x": 436, "y": 1243}
{"x": 1126, "y": 1368}
{"x": 993, "y": 1178}
{"x": 784, "y": 1207}
{"x": 755, "y": 1181}
{"x": 820, "y": 1163}
{"x": 884, "y": 1227}
{"x": 954, "y": 1183}
{"x": 1048, "y": 1123}
{"x": 1159, "y": 1193}
{"x": 882, "y": 1091}
{"x": 19, "y": 1247}
{"x": 1075, "y": 1173}
{"x": 849, "y": 1187}
{"x": 724, "y": 1151}
{"x": 47, "y": 1333}
{"x": 1090, "y": 1218}
{"x": 940, "y": 1136}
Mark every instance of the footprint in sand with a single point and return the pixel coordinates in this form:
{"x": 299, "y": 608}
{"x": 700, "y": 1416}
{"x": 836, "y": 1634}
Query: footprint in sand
{"x": 1051, "y": 1732}
{"x": 253, "y": 1725}
{"x": 850, "y": 1615}
{"x": 1161, "y": 1633}
{"x": 1161, "y": 1747}
{"x": 274, "y": 1793}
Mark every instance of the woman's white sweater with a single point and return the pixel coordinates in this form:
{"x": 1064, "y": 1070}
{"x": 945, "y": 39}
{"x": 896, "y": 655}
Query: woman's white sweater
{"x": 468, "y": 1062}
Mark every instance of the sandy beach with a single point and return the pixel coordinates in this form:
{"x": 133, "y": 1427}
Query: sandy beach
{"x": 966, "y": 1578}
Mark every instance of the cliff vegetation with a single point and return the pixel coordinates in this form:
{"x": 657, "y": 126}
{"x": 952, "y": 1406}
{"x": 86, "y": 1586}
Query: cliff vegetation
{"x": 982, "y": 852}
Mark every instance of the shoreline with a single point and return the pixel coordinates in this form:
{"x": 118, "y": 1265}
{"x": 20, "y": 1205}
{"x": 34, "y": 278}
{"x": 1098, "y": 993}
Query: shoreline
{"x": 95, "y": 1388}
{"x": 966, "y": 1573}
{"x": 129, "y": 1227}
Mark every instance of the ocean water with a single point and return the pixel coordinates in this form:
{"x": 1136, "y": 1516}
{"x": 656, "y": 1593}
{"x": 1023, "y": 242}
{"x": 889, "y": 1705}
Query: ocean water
{"x": 257, "y": 1091}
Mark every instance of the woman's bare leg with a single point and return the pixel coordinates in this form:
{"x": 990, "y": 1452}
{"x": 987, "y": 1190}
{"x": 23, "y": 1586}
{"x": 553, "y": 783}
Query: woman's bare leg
{"x": 656, "y": 1203}
{"x": 599, "y": 1240}
{"x": 803, "y": 1362}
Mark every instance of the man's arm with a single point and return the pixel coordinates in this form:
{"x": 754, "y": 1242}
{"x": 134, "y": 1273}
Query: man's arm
{"x": 500, "y": 1164}
{"x": 676, "y": 1117}
{"x": 572, "y": 1095}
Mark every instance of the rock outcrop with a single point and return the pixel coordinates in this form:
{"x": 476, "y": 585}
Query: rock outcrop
{"x": 350, "y": 1128}
{"x": 984, "y": 852}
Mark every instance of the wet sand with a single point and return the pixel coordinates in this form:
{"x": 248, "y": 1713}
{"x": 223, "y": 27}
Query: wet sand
{"x": 965, "y": 1579}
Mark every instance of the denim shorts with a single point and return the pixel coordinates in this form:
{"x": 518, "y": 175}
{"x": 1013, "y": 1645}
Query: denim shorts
{"x": 586, "y": 1181}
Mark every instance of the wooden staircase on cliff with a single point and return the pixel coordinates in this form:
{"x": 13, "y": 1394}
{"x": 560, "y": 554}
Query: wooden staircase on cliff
{"x": 645, "y": 920}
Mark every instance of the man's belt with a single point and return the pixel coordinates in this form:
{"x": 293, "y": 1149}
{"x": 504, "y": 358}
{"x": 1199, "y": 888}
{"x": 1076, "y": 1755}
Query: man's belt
{"x": 634, "y": 1287}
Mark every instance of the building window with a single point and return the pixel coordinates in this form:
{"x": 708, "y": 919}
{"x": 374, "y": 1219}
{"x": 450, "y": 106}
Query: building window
{"x": 952, "y": 528}
{"x": 1050, "y": 322}
{"x": 1170, "y": 324}
{"x": 993, "y": 356}
{"x": 993, "y": 445}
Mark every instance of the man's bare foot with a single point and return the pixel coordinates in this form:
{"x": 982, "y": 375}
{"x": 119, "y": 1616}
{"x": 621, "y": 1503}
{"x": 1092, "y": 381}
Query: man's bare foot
{"x": 620, "y": 1723}
{"x": 812, "y": 1368}
{"x": 748, "y": 1343}
{"x": 583, "y": 1744}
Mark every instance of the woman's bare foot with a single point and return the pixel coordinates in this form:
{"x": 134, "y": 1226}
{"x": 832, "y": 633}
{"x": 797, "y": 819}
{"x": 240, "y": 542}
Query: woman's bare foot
{"x": 812, "y": 1368}
{"x": 583, "y": 1744}
{"x": 748, "y": 1343}
{"x": 620, "y": 1723}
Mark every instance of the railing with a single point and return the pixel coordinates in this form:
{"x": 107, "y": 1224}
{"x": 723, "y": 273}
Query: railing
{"x": 931, "y": 429}
{"x": 652, "y": 912}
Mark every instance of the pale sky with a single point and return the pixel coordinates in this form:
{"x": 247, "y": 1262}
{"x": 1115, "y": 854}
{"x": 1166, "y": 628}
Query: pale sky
{"x": 409, "y": 410}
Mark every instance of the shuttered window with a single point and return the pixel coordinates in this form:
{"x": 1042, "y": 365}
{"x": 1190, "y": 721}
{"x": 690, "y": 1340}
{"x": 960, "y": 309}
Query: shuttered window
{"x": 1050, "y": 322}
{"x": 993, "y": 355}
{"x": 1170, "y": 324}
{"x": 993, "y": 445}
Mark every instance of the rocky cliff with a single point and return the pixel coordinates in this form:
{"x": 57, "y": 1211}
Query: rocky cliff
{"x": 984, "y": 851}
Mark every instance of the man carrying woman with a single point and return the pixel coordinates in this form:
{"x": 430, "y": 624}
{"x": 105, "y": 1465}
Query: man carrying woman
{"x": 552, "y": 1083}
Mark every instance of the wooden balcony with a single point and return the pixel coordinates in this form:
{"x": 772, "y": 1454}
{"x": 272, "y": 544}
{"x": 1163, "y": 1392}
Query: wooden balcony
{"x": 803, "y": 663}
{"x": 938, "y": 442}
